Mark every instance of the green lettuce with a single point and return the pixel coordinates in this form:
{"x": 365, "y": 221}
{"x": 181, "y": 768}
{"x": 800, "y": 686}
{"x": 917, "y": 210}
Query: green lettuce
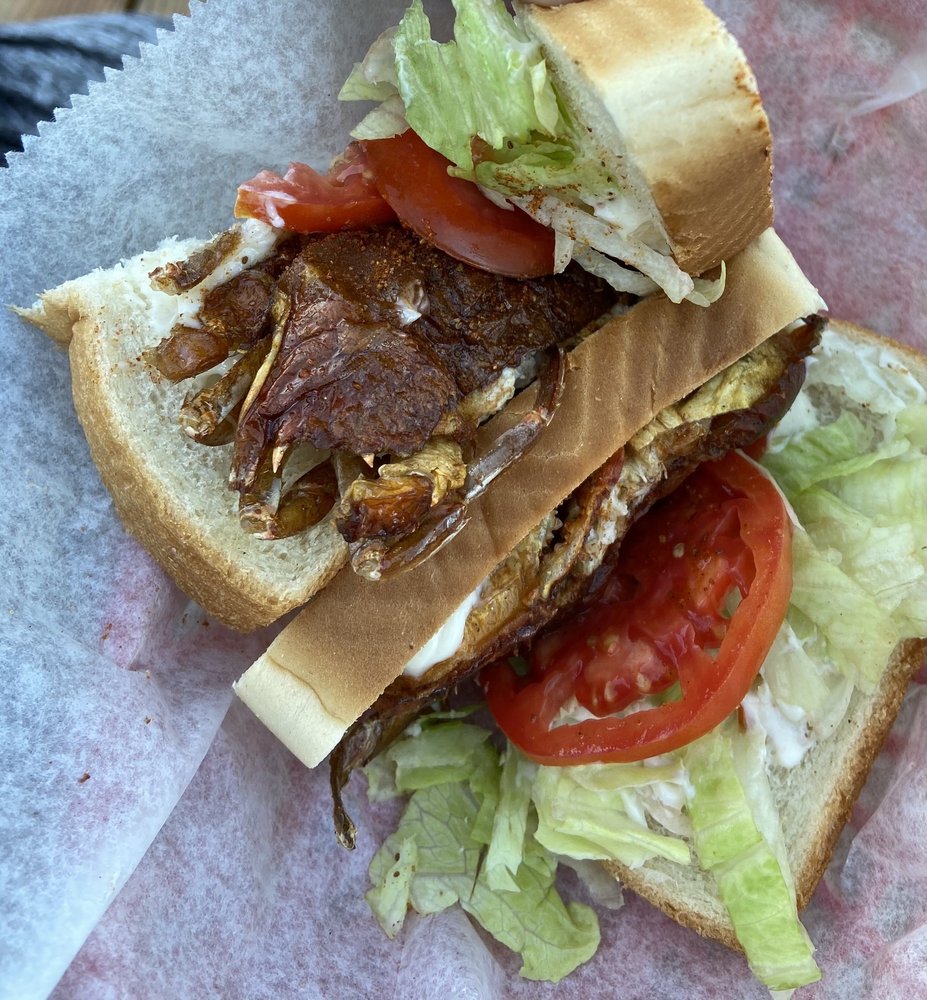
{"x": 858, "y": 635}
{"x": 591, "y": 812}
{"x": 490, "y": 82}
{"x": 469, "y": 840}
{"x": 836, "y": 449}
{"x": 552, "y": 937}
{"x": 746, "y": 866}
{"x": 859, "y": 565}
{"x": 510, "y": 822}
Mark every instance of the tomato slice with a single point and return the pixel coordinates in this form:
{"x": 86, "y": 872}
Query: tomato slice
{"x": 305, "y": 201}
{"x": 667, "y": 614}
{"x": 453, "y": 214}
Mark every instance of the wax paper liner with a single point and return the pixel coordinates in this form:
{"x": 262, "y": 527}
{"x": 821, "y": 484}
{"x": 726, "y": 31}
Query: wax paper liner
{"x": 126, "y": 783}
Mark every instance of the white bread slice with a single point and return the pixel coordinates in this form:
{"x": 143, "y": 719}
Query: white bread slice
{"x": 169, "y": 491}
{"x": 815, "y": 798}
{"x": 814, "y": 801}
{"x": 668, "y": 91}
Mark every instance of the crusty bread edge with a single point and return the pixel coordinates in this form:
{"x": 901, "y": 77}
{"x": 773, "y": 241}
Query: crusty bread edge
{"x": 219, "y": 576}
{"x": 880, "y": 710}
{"x": 708, "y": 162}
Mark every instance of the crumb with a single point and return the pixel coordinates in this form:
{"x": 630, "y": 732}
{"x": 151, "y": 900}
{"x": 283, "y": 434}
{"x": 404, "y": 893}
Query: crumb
{"x": 107, "y": 628}
{"x": 84, "y": 777}
{"x": 147, "y": 719}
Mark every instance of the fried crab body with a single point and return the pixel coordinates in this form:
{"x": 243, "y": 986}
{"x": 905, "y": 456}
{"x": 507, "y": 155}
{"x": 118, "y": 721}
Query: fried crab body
{"x": 565, "y": 559}
{"x": 373, "y": 345}
{"x": 384, "y": 335}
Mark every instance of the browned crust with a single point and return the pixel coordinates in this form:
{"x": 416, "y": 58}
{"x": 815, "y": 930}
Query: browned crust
{"x": 872, "y": 721}
{"x": 703, "y": 143}
{"x": 875, "y": 725}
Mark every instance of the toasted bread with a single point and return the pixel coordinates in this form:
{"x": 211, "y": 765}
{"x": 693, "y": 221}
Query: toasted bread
{"x": 665, "y": 87}
{"x": 816, "y": 797}
{"x": 170, "y": 492}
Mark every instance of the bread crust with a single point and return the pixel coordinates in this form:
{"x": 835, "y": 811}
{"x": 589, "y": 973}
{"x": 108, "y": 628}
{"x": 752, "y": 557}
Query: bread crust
{"x": 830, "y": 781}
{"x": 870, "y": 721}
{"x": 673, "y": 86}
{"x": 107, "y": 318}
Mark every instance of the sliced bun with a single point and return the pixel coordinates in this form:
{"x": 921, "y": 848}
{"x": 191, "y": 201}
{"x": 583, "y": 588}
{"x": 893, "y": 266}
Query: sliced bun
{"x": 814, "y": 800}
{"x": 668, "y": 90}
{"x": 816, "y": 797}
{"x": 620, "y": 377}
{"x": 170, "y": 492}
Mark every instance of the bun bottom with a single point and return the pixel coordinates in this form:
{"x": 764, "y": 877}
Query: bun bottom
{"x": 815, "y": 800}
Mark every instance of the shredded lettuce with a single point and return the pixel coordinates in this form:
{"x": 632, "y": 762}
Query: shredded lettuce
{"x": 601, "y": 822}
{"x": 837, "y": 449}
{"x": 757, "y": 893}
{"x": 804, "y": 687}
{"x": 441, "y": 754}
{"x": 486, "y": 101}
{"x": 859, "y": 635}
{"x": 510, "y": 822}
{"x": 375, "y": 78}
{"x": 389, "y": 898}
{"x": 860, "y": 566}
{"x": 490, "y": 82}
{"x": 469, "y": 840}
{"x": 553, "y": 938}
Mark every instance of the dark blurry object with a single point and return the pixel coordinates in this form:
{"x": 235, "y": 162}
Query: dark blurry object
{"x": 42, "y": 63}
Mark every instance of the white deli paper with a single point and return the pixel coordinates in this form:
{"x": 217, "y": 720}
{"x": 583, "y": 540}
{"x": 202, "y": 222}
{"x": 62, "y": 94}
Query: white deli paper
{"x": 158, "y": 843}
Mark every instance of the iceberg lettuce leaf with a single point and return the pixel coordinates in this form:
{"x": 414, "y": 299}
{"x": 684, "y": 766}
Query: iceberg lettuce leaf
{"x": 490, "y": 82}
{"x": 510, "y": 822}
{"x": 553, "y": 938}
{"x": 584, "y": 823}
{"x": 759, "y": 898}
{"x": 463, "y": 839}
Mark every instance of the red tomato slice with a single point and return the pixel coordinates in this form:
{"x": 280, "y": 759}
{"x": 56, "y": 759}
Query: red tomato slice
{"x": 306, "y": 202}
{"x": 668, "y": 616}
{"x": 453, "y": 214}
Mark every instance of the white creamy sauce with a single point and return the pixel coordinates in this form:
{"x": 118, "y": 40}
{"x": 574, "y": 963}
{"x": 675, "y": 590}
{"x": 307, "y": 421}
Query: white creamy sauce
{"x": 869, "y": 375}
{"x": 571, "y": 712}
{"x": 622, "y": 211}
{"x": 446, "y": 641}
{"x": 258, "y": 240}
{"x": 786, "y": 726}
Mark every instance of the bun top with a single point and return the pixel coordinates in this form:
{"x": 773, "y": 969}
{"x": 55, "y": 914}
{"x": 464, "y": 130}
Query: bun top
{"x": 337, "y": 656}
{"x": 669, "y": 91}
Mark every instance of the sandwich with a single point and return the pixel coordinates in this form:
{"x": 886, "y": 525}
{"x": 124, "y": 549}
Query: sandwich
{"x": 699, "y": 720}
{"x": 341, "y": 382}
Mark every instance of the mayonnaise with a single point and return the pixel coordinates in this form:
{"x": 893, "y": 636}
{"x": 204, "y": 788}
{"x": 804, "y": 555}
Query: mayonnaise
{"x": 257, "y": 241}
{"x": 786, "y": 725}
{"x": 869, "y": 378}
{"x": 446, "y": 641}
